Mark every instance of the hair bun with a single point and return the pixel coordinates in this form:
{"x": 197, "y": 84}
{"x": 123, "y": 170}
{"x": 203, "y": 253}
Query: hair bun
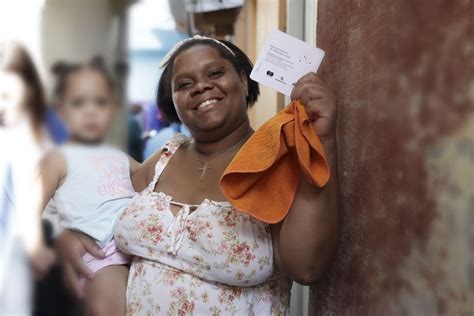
{"x": 59, "y": 68}
{"x": 97, "y": 61}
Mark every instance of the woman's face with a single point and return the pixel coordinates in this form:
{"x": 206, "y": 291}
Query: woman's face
{"x": 208, "y": 94}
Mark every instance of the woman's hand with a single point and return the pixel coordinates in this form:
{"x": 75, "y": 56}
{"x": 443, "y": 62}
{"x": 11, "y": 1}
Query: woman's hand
{"x": 70, "y": 247}
{"x": 320, "y": 104}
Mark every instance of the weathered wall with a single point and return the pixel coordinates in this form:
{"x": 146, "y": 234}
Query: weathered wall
{"x": 403, "y": 72}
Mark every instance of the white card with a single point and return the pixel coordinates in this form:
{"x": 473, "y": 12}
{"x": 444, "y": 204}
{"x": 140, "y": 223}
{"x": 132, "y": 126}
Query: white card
{"x": 283, "y": 60}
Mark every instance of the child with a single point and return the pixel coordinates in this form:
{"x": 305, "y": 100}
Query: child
{"x": 89, "y": 182}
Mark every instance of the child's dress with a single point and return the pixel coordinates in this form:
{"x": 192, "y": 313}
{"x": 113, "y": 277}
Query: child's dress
{"x": 96, "y": 189}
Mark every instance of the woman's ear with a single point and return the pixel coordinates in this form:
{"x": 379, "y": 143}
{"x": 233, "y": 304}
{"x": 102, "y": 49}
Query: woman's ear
{"x": 245, "y": 82}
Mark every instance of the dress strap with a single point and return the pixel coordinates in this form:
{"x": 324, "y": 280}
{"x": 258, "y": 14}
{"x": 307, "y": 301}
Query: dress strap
{"x": 171, "y": 146}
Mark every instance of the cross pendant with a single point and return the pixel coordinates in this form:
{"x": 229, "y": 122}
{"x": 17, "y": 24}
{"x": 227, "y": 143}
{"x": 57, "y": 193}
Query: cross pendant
{"x": 203, "y": 170}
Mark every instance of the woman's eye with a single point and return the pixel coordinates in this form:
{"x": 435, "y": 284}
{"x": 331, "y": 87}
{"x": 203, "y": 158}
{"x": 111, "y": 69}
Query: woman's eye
{"x": 216, "y": 73}
{"x": 183, "y": 85}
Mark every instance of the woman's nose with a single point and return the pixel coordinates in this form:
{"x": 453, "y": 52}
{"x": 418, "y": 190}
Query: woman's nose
{"x": 201, "y": 87}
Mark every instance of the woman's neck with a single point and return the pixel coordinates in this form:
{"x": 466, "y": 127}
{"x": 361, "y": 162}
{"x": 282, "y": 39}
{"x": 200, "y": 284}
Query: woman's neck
{"x": 240, "y": 134}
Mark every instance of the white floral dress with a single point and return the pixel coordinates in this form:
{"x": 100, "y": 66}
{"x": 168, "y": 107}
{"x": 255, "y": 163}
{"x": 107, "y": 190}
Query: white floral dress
{"x": 212, "y": 261}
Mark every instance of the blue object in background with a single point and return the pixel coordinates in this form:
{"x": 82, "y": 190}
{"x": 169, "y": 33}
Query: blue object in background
{"x": 157, "y": 141}
{"x": 55, "y": 126}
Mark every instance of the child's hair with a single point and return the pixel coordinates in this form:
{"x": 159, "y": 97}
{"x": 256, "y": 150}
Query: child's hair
{"x": 63, "y": 71}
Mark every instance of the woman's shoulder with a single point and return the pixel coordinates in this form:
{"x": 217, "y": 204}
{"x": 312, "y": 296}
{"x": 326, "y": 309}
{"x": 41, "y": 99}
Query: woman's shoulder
{"x": 176, "y": 141}
{"x": 145, "y": 173}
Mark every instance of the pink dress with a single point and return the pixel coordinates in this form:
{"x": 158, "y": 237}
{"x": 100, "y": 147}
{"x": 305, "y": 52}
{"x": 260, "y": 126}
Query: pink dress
{"x": 214, "y": 260}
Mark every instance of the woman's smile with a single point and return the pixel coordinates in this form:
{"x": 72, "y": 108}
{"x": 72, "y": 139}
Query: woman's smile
{"x": 208, "y": 93}
{"x": 208, "y": 105}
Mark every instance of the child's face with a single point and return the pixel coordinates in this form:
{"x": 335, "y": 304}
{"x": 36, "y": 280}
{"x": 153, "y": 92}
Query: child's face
{"x": 88, "y": 106}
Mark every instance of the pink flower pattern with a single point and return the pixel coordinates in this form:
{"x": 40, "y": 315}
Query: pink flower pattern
{"x": 223, "y": 265}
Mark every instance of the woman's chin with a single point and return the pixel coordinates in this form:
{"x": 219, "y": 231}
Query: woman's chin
{"x": 209, "y": 127}
{"x": 209, "y": 122}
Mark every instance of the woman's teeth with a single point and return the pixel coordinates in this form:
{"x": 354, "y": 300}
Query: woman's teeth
{"x": 207, "y": 103}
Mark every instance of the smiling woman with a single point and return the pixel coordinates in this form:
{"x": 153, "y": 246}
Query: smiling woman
{"x": 229, "y": 56}
{"x": 194, "y": 253}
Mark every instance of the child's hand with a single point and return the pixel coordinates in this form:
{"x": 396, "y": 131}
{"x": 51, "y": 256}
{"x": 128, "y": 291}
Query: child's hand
{"x": 41, "y": 261}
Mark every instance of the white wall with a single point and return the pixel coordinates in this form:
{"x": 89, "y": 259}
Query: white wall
{"x": 76, "y": 31}
{"x": 143, "y": 77}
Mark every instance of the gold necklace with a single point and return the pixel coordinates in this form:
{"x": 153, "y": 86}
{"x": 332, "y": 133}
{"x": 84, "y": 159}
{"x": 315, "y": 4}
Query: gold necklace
{"x": 205, "y": 165}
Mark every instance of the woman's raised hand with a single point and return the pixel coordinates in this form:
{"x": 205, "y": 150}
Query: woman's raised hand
{"x": 70, "y": 247}
{"x": 320, "y": 104}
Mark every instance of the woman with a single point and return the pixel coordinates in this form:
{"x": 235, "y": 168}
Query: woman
{"x": 193, "y": 252}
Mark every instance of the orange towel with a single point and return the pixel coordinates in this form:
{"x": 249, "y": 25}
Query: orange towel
{"x": 262, "y": 179}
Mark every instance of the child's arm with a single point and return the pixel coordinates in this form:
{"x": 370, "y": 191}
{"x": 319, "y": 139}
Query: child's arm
{"x": 49, "y": 175}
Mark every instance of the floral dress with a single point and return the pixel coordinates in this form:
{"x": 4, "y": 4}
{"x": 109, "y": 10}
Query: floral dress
{"x": 214, "y": 260}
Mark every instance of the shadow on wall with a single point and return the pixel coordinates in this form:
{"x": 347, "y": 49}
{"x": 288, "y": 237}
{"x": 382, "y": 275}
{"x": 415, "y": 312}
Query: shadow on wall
{"x": 403, "y": 73}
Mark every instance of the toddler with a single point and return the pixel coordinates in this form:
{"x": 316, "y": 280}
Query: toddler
{"x": 88, "y": 181}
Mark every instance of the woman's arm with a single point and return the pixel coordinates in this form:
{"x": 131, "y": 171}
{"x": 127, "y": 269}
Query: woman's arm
{"x": 305, "y": 241}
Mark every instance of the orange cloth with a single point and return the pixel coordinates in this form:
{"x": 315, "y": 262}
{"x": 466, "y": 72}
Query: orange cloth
{"x": 263, "y": 177}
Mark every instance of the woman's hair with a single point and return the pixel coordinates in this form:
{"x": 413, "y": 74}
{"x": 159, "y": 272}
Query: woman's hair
{"x": 238, "y": 59}
{"x": 63, "y": 72}
{"x": 14, "y": 58}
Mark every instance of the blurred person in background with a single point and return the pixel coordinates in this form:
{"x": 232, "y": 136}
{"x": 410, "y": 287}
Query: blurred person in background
{"x": 23, "y": 141}
{"x": 158, "y": 139}
{"x": 135, "y": 140}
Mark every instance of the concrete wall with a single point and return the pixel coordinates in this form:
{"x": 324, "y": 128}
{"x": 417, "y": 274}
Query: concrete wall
{"x": 403, "y": 72}
{"x": 75, "y": 31}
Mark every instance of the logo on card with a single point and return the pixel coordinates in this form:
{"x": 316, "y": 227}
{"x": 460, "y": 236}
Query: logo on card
{"x": 304, "y": 59}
